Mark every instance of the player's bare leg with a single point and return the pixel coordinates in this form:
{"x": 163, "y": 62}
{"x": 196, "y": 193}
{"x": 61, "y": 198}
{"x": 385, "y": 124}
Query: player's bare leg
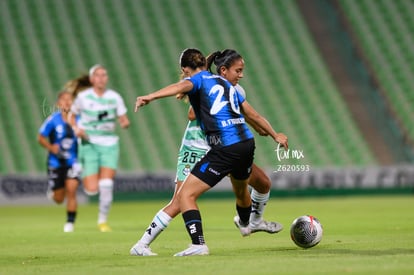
{"x": 160, "y": 222}
{"x": 261, "y": 185}
{"x": 187, "y": 196}
{"x": 71, "y": 186}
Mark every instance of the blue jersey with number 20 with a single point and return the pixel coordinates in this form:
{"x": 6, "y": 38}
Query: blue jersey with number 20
{"x": 216, "y": 104}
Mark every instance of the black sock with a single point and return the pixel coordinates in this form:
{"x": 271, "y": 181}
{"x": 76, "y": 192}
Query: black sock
{"x": 244, "y": 214}
{"x": 192, "y": 220}
{"x": 71, "y": 216}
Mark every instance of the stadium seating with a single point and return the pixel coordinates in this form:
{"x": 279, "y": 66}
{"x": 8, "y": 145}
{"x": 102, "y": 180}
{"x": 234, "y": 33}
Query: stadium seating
{"x": 385, "y": 29}
{"x": 45, "y": 43}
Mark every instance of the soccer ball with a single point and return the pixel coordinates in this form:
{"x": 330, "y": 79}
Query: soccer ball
{"x": 306, "y": 231}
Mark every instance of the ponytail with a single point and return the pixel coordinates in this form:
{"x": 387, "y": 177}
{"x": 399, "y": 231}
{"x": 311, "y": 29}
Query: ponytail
{"x": 75, "y": 86}
{"x": 224, "y": 58}
{"x": 210, "y": 60}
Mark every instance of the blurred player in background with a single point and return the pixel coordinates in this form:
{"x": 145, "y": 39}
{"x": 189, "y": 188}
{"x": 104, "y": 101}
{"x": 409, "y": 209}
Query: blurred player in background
{"x": 217, "y": 107}
{"x": 57, "y": 136}
{"x": 193, "y": 147}
{"x": 99, "y": 108}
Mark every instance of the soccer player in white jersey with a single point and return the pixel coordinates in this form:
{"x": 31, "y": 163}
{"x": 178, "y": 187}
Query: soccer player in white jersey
{"x": 99, "y": 108}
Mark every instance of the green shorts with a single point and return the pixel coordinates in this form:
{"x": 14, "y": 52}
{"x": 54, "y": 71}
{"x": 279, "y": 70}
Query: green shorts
{"x": 93, "y": 157}
{"x": 187, "y": 158}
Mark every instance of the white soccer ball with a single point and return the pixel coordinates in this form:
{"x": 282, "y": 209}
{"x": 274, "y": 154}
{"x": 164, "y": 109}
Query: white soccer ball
{"x": 306, "y": 231}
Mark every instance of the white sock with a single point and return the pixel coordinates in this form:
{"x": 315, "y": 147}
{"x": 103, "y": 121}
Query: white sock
{"x": 259, "y": 202}
{"x": 89, "y": 193}
{"x": 105, "y": 198}
{"x": 160, "y": 221}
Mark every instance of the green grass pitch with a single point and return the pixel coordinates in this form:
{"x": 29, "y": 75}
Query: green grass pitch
{"x": 362, "y": 235}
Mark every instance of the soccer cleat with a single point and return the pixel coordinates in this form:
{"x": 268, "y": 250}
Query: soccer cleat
{"x": 244, "y": 230}
{"x": 104, "y": 227}
{"x": 68, "y": 227}
{"x": 140, "y": 249}
{"x": 265, "y": 226}
{"x": 194, "y": 250}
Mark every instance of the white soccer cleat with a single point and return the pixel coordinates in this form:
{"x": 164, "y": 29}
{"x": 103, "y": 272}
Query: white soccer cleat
{"x": 68, "y": 227}
{"x": 140, "y": 249}
{"x": 194, "y": 250}
{"x": 263, "y": 226}
{"x": 244, "y": 230}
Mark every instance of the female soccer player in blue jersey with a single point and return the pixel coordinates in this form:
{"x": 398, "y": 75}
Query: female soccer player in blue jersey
{"x": 193, "y": 148}
{"x": 230, "y": 65}
{"x": 218, "y": 108}
{"x": 57, "y": 136}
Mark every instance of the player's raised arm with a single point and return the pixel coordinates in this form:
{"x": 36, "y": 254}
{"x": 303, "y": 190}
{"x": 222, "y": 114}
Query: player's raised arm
{"x": 256, "y": 127}
{"x": 264, "y": 125}
{"x": 173, "y": 89}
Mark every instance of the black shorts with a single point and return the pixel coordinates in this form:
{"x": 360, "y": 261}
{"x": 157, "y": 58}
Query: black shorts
{"x": 58, "y": 176}
{"x": 236, "y": 159}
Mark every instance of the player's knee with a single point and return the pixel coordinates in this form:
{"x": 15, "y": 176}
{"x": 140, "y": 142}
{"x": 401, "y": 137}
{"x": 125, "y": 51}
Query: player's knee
{"x": 178, "y": 198}
{"x": 90, "y": 191}
{"x": 261, "y": 184}
{"x": 91, "y": 186}
{"x": 173, "y": 208}
{"x": 71, "y": 194}
{"x": 58, "y": 199}
{"x": 265, "y": 185}
{"x": 184, "y": 197}
{"x": 58, "y": 195}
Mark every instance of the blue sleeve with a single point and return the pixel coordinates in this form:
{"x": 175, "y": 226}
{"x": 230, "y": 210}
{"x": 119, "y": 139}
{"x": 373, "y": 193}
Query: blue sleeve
{"x": 196, "y": 80}
{"x": 46, "y": 127}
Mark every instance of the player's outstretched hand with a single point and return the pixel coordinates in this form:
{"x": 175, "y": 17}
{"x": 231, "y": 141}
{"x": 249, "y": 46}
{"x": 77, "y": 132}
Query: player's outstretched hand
{"x": 141, "y": 101}
{"x": 282, "y": 139}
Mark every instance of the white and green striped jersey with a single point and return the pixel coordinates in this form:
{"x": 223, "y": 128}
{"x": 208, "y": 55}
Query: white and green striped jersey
{"x": 194, "y": 137}
{"x": 98, "y": 115}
